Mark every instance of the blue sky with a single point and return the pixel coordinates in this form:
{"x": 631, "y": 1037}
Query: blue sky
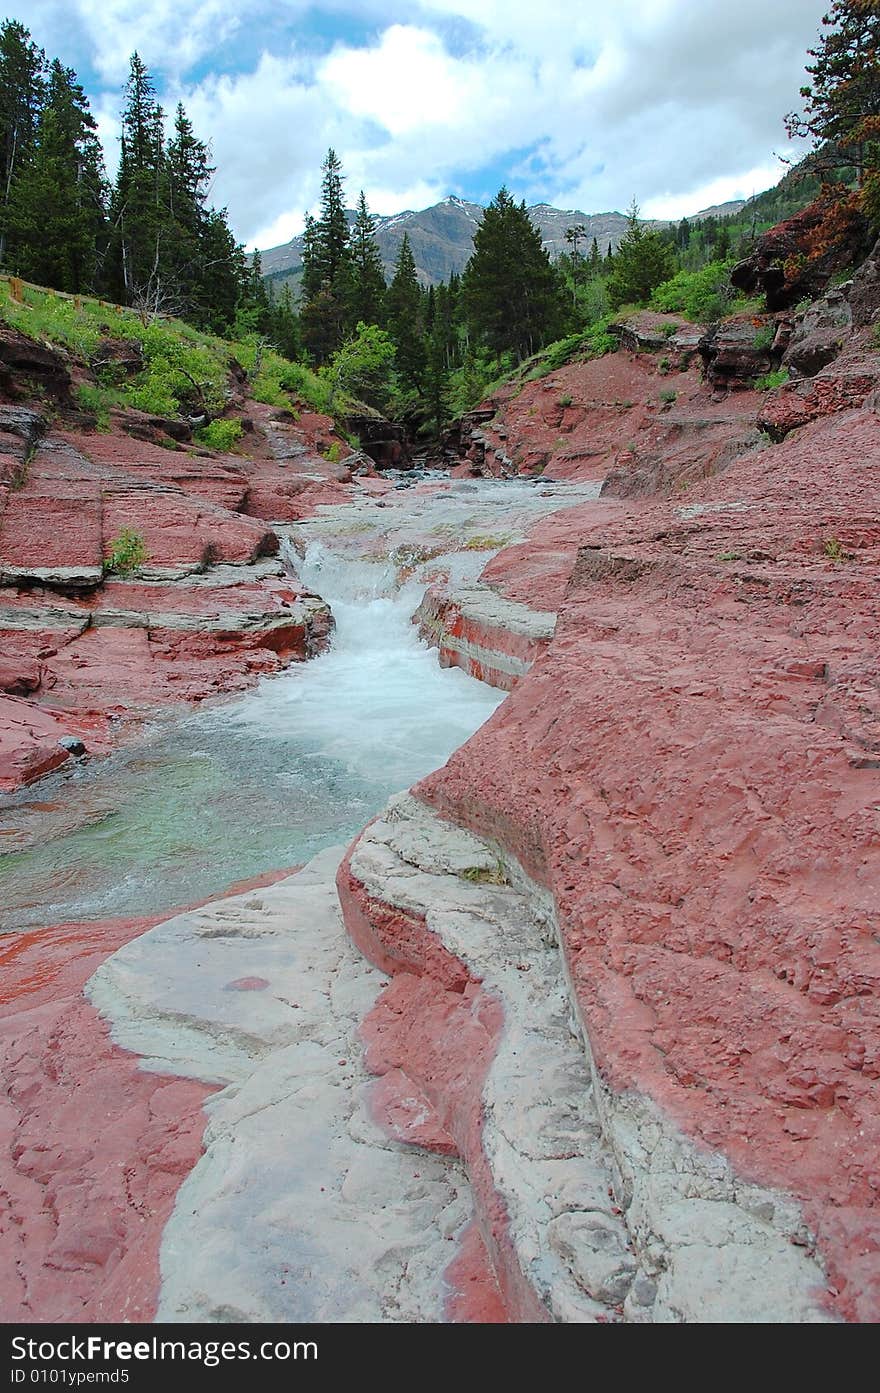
{"x": 678, "y": 103}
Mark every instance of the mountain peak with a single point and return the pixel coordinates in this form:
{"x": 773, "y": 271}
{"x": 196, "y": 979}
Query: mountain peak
{"x": 442, "y": 237}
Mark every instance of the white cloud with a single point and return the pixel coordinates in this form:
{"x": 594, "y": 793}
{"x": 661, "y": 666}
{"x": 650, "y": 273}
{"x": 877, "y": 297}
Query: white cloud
{"x": 170, "y": 35}
{"x": 585, "y": 105}
{"x": 406, "y": 82}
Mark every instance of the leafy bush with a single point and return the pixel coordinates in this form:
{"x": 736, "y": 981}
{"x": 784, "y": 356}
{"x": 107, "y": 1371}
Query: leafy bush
{"x": 125, "y": 553}
{"x": 220, "y": 435}
{"x": 764, "y": 337}
{"x": 771, "y": 380}
{"x": 564, "y": 401}
{"x": 475, "y": 379}
{"x": 363, "y": 367}
{"x": 701, "y": 296}
{"x": 333, "y": 454}
{"x": 668, "y": 397}
{"x": 97, "y": 401}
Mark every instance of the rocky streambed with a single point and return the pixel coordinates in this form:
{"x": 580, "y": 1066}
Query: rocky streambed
{"x": 582, "y": 1027}
{"x": 248, "y": 985}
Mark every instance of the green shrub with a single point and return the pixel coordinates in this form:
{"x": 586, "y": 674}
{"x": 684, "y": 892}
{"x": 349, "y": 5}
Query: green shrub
{"x": 664, "y": 366}
{"x": 220, "y": 435}
{"x": 764, "y": 337}
{"x": 334, "y": 453}
{"x": 833, "y": 548}
{"x": 363, "y": 367}
{"x": 771, "y": 380}
{"x": 97, "y": 401}
{"x": 564, "y": 401}
{"x": 701, "y": 296}
{"x": 125, "y": 553}
{"x": 668, "y": 397}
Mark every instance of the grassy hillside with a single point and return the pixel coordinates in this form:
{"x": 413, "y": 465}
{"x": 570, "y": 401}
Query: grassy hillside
{"x": 185, "y": 370}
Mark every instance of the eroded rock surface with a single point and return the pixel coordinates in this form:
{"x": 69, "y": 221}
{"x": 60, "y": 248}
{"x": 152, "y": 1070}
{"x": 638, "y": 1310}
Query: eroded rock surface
{"x": 211, "y": 608}
{"x": 302, "y": 1207}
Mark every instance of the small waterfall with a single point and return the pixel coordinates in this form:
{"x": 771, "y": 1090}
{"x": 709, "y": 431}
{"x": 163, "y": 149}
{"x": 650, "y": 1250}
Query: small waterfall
{"x": 377, "y": 703}
{"x": 301, "y": 763}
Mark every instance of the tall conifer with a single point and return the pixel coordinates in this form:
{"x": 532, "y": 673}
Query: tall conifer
{"x": 511, "y": 292}
{"x": 56, "y": 213}
{"x": 367, "y": 297}
{"x": 406, "y": 319}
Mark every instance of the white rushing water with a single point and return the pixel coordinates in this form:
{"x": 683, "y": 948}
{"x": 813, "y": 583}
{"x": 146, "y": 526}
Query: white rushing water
{"x": 263, "y": 782}
{"x": 377, "y": 703}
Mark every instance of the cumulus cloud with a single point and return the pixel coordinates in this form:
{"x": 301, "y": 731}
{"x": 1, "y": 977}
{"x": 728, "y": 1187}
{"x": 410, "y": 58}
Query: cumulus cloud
{"x": 585, "y": 106}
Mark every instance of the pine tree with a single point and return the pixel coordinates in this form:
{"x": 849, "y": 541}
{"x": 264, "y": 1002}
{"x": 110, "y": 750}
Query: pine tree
{"x": 310, "y": 284}
{"x": 222, "y": 272}
{"x": 326, "y": 283}
{"x": 437, "y": 375}
{"x": 367, "y": 276}
{"x": 284, "y": 329}
{"x": 254, "y": 308}
{"x": 642, "y": 262}
{"x": 22, "y": 93}
{"x": 405, "y": 318}
{"x": 196, "y": 255}
{"x": 842, "y": 103}
{"x": 332, "y": 229}
{"x": 137, "y": 207}
{"x": 187, "y": 174}
{"x": 56, "y": 213}
{"x": 511, "y": 293}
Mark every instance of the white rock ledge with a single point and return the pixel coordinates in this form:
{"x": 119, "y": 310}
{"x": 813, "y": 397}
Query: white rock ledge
{"x": 301, "y": 1209}
{"x": 679, "y": 1238}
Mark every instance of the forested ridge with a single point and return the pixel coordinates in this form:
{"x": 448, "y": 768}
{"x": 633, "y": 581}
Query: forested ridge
{"x": 148, "y": 237}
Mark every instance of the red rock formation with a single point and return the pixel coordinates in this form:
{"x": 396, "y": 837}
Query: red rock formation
{"x": 799, "y": 256}
{"x": 86, "y": 1201}
{"x": 643, "y": 421}
{"x": 208, "y": 614}
{"x": 692, "y": 768}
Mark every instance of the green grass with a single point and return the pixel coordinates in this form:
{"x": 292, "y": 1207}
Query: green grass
{"x": 97, "y": 401}
{"x": 185, "y": 369}
{"x": 125, "y": 553}
{"x": 764, "y": 336}
{"x": 594, "y": 342}
{"x": 833, "y": 548}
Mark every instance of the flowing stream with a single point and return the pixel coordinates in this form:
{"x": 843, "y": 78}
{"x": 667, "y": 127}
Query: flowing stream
{"x": 258, "y": 784}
